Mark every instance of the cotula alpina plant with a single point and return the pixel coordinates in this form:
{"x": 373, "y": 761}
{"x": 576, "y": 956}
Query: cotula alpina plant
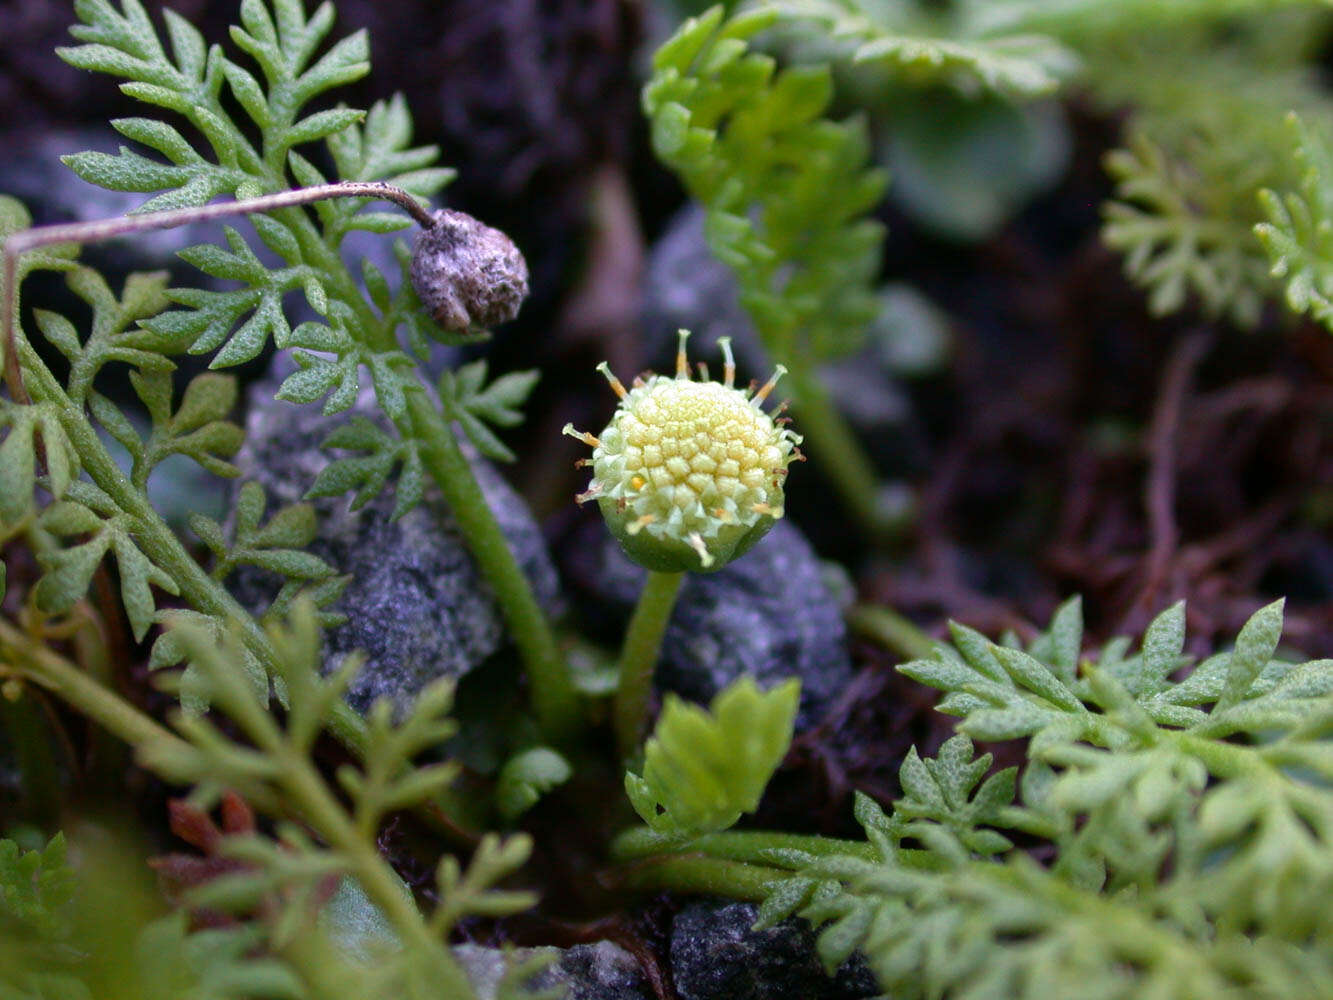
{"x": 689, "y": 475}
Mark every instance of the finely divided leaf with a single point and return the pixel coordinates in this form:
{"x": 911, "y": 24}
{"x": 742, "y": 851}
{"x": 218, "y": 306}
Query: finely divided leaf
{"x": 1298, "y": 235}
{"x": 468, "y": 399}
{"x": 794, "y": 228}
{"x": 703, "y": 769}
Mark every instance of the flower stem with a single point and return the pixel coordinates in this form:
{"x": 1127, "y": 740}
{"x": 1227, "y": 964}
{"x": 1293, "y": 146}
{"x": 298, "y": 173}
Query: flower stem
{"x": 736, "y": 845}
{"x": 638, "y": 657}
{"x": 891, "y": 630}
{"x": 38, "y": 663}
{"x": 693, "y": 873}
{"x": 553, "y": 694}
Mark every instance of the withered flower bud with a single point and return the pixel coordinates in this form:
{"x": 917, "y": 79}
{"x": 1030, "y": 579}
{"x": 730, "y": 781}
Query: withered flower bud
{"x": 468, "y": 274}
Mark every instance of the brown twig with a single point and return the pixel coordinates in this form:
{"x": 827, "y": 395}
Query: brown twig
{"x": 1160, "y": 488}
{"x": 100, "y": 230}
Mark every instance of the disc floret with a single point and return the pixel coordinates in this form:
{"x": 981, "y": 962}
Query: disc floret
{"x": 689, "y": 474}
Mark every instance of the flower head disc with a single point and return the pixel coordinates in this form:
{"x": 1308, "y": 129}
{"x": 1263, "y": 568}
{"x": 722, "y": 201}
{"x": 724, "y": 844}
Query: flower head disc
{"x": 689, "y": 475}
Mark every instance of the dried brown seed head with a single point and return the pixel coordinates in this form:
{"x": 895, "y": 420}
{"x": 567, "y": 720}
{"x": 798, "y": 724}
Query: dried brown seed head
{"x": 468, "y": 274}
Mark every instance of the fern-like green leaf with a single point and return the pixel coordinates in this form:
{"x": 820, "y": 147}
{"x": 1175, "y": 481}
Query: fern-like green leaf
{"x": 1298, "y": 235}
{"x": 787, "y": 190}
{"x": 197, "y": 428}
{"x": 88, "y": 514}
{"x": 703, "y": 769}
{"x": 22, "y": 425}
{"x": 369, "y": 472}
{"x": 1177, "y": 239}
{"x": 170, "y": 650}
{"x": 14, "y": 218}
{"x": 36, "y": 888}
{"x": 922, "y": 47}
{"x": 1187, "y": 822}
{"x": 274, "y": 545}
{"x": 474, "y": 403}
{"x": 1205, "y": 136}
{"x": 113, "y": 337}
{"x": 269, "y": 762}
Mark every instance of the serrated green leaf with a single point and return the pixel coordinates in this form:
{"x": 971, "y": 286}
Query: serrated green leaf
{"x": 1031, "y": 66}
{"x": 136, "y": 574}
{"x": 209, "y": 397}
{"x": 250, "y": 504}
{"x": 679, "y": 51}
{"x": 785, "y": 224}
{"x": 321, "y": 124}
{"x": 473, "y": 404}
{"x": 1254, "y": 648}
{"x": 209, "y": 532}
{"x": 703, "y": 769}
{"x": 779, "y": 904}
{"x": 68, "y": 519}
{"x": 1296, "y": 234}
{"x": 1164, "y": 640}
{"x": 59, "y": 331}
{"x": 1037, "y": 678}
{"x": 411, "y": 485}
{"x": 291, "y": 564}
{"x": 18, "y": 473}
{"x": 68, "y": 574}
{"x": 527, "y": 776}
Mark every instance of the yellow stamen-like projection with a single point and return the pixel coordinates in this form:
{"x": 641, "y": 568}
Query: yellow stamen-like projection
{"x": 583, "y": 436}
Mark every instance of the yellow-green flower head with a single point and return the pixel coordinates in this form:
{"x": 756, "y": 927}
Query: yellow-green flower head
{"x": 689, "y": 475}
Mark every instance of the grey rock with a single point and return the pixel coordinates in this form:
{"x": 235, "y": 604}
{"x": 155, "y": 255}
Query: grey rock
{"x": 717, "y": 955}
{"x": 770, "y": 614}
{"x": 601, "y": 971}
{"x": 685, "y": 286}
{"x": 417, "y": 604}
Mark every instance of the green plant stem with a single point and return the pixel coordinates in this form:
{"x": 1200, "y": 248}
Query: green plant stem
{"x": 736, "y": 845}
{"x": 891, "y": 630}
{"x": 839, "y": 454}
{"x": 38, "y": 663}
{"x": 693, "y": 873}
{"x": 638, "y": 657}
{"x": 553, "y": 694}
